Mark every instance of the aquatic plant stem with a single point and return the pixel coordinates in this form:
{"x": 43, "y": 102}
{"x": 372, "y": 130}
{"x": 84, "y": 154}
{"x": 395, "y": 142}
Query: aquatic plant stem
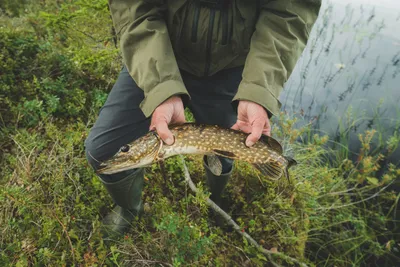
{"x": 269, "y": 254}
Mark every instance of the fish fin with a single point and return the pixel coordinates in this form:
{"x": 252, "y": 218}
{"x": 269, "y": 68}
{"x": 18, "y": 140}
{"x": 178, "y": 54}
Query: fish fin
{"x": 273, "y": 171}
{"x": 226, "y": 154}
{"x": 272, "y": 143}
{"x": 214, "y": 164}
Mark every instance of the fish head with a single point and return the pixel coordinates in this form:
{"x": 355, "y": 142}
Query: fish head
{"x": 139, "y": 153}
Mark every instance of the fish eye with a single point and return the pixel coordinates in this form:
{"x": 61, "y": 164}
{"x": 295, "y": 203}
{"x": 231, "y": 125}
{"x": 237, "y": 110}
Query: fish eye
{"x": 125, "y": 148}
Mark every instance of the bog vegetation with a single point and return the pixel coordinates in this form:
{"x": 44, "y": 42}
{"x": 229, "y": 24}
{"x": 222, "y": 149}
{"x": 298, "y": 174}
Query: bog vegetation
{"x": 58, "y": 61}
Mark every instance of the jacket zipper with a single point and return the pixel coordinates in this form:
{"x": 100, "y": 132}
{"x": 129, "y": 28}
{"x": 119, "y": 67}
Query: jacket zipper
{"x": 209, "y": 42}
{"x": 195, "y": 24}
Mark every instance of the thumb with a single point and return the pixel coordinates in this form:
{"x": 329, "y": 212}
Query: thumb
{"x": 236, "y": 126}
{"x": 256, "y": 132}
{"x": 163, "y": 131}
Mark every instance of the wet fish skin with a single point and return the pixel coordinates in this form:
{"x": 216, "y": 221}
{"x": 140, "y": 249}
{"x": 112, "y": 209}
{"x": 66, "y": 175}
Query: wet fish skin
{"x": 190, "y": 138}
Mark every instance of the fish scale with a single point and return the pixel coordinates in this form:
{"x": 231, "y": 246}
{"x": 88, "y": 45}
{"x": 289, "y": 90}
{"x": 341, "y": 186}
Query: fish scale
{"x": 190, "y": 138}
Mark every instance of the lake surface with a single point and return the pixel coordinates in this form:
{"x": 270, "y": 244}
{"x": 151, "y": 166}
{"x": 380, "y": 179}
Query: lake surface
{"x": 348, "y": 78}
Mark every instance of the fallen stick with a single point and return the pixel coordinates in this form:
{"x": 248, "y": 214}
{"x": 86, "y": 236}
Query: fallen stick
{"x": 66, "y": 234}
{"x": 269, "y": 254}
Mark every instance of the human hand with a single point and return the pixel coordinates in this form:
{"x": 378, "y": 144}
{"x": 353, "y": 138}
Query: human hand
{"x": 170, "y": 111}
{"x": 253, "y": 119}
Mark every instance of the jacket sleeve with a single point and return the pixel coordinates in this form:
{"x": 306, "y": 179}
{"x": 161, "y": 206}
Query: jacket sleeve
{"x": 281, "y": 34}
{"x": 147, "y": 50}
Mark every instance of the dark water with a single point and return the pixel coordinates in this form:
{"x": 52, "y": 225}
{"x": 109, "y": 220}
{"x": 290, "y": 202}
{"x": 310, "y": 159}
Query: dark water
{"x": 348, "y": 78}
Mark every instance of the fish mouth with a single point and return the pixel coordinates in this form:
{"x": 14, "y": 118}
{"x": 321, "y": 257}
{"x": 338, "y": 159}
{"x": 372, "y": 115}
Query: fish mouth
{"x": 104, "y": 168}
{"x": 107, "y": 168}
{"x": 111, "y": 169}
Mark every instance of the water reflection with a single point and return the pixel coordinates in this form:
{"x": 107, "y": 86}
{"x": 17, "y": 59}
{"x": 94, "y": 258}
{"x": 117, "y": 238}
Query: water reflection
{"x": 348, "y": 78}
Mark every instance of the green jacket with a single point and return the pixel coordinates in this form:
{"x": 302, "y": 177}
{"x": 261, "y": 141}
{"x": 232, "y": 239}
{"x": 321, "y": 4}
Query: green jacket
{"x": 159, "y": 37}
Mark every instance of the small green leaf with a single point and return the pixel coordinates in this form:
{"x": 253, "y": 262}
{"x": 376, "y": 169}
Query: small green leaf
{"x": 373, "y": 180}
{"x": 72, "y": 234}
{"x": 261, "y": 257}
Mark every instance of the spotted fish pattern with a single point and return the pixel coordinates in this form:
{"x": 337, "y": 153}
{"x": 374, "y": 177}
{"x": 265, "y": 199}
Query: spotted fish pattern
{"x": 190, "y": 138}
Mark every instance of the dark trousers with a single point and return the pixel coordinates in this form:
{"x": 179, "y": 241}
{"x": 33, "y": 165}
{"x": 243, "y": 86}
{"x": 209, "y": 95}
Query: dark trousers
{"x": 121, "y": 121}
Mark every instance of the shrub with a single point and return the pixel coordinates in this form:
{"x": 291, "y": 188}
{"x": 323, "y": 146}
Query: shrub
{"x": 39, "y": 82}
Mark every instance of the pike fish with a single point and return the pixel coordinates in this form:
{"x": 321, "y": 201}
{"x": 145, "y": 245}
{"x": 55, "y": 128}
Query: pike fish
{"x": 266, "y": 155}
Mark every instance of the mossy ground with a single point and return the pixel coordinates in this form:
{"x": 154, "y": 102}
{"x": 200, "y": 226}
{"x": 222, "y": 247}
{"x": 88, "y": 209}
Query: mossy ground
{"x": 335, "y": 212}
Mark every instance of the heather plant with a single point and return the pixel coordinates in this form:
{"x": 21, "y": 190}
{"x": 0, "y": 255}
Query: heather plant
{"x": 43, "y": 77}
{"x": 52, "y": 203}
{"x": 58, "y": 61}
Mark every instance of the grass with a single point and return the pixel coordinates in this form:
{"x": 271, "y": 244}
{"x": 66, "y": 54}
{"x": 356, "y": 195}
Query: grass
{"x": 335, "y": 211}
{"x": 52, "y": 204}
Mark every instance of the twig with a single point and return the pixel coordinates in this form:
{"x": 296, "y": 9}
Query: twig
{"x": 67, "y": 235}
{"x": 150, "y": 261}
{"x": 357, "y": 202}
{"x": 164, "y": 175}
{"x": 236, "y": 247}
{"x": 269, "y": 254}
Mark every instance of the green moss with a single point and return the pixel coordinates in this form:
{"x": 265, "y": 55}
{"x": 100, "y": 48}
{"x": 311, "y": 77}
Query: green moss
{"x": 54, "y": 80}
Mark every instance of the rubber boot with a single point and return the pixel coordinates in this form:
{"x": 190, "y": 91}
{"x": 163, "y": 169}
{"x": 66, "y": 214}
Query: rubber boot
{"x": 217, "y": 186}
{"x": 127, "y": 195}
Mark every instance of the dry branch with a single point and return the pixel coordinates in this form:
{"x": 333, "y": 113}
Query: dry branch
{"x": 269, "y": 254}
{"x": 66, "y": 234}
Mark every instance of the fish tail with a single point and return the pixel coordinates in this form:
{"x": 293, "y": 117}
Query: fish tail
{"x": 291, "y": 162}
{"x": 286, "y": 173}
